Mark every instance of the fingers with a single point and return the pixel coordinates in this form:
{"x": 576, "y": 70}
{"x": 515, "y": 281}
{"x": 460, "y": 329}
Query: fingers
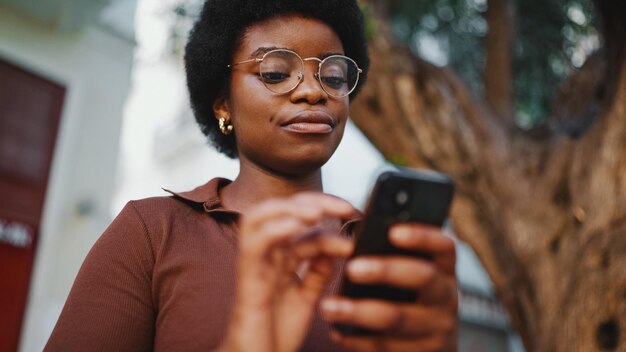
{"x": 428, "y": 240}
{"x": 276, "y": 239}
{"x": 319, "y": 253}
{"x": 402, "y": 272}
{"x": 258, "y": 241}
{"x": 388, "y": 317}
{"x": 323, "y": 244}
{"x": 315, "y": 279}
{"x": 307, "y": 207}
{"x": 275, "y": 221}
{"x": 432, "y": 343}
{"x": 426, "y": 325}
{"x": 433, "y": 276}
{"x": 434, "y": 286}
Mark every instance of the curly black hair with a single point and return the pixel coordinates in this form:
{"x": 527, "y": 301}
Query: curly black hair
{"x": 218, "y": 32}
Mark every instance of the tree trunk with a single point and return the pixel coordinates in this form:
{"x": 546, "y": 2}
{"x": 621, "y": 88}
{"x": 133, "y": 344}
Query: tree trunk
{"x": 546, "y": 217}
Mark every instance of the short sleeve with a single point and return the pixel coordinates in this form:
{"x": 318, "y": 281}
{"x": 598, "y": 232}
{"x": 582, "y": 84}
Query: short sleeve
{"x": 110, "y": 306}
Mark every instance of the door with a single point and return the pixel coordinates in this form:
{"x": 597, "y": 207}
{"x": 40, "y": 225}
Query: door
{"x": 30, "y": 109}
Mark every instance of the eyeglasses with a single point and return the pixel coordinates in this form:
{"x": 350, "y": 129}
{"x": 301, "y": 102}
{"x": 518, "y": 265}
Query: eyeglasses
{"x": 282, "y": 70}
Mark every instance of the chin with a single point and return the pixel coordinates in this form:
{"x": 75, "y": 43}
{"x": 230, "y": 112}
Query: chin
{"x": 294, "y": 160}
{"x": 303, "y": 165}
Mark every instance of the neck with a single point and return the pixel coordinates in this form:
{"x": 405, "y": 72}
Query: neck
{"x": 255, "y": 184}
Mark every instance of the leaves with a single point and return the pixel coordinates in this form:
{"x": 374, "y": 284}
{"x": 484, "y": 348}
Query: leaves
{"x": 553, "y": 39}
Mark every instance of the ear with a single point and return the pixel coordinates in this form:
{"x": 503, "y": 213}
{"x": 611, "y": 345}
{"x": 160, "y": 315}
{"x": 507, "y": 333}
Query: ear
{"x": 221, "y": 108}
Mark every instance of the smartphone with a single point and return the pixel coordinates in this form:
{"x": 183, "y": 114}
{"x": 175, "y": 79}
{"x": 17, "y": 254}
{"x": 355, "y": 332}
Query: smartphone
{"x": 406, "y": 195}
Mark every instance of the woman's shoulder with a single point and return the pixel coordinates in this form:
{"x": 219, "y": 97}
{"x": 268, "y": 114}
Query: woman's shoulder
{"x": 150, "y": 228}
{"x": 158, "y": 208}
{"x": 147, "y": 221}
{"x": 197, "y": 202}
{"x": 162, "y": 217}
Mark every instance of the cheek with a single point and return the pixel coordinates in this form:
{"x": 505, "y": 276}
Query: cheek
{"x": 252, "y": 111}
{"x": 342, "y": 110}
{"x": 249, "y": 100}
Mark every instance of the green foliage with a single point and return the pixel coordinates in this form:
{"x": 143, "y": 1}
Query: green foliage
{"x": 552, "y": 38}
{"x": 398, "y": 160}
{"x": 370, "y": 24}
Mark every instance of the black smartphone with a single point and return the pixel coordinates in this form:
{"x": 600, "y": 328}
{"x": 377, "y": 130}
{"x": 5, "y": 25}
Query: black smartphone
{"x": 406, "y": 195}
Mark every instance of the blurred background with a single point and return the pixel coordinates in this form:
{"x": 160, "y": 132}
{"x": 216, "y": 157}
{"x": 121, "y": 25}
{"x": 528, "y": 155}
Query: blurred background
{"x": 94, "y": 113}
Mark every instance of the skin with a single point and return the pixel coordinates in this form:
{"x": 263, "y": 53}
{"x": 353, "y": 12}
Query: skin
{"x": 274, "y": 160}
{"x": 279, "y": 193}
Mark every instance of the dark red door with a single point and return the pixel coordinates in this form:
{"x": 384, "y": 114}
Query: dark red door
{"x": 30, "y": 108}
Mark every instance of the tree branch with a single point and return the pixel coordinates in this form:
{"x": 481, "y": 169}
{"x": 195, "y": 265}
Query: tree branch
{"x": 498, "y": 52}
{"x": 598, "y": 170}
{"x": 613, "y": 17}
{"x": 579, "y": 98}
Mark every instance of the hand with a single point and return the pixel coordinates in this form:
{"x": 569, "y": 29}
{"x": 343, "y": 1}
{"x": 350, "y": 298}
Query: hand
{"x": 430, "y": 324}
{"x": 273, "y": 309}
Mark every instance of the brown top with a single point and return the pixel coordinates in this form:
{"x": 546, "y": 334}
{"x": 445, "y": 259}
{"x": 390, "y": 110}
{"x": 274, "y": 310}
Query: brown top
{"x": 161, "y": 277}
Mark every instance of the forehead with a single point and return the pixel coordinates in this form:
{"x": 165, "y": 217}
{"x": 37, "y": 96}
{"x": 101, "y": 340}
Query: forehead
{"x": 307, "y": 36}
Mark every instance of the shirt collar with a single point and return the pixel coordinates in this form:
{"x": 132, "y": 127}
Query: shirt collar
{"x": 207, "y": 195}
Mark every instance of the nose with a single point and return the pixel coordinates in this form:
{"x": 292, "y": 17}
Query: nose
{"x": 309, "y": 89}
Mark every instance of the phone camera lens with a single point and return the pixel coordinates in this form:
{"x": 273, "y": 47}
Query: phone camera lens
{"x": 402, "y": 197}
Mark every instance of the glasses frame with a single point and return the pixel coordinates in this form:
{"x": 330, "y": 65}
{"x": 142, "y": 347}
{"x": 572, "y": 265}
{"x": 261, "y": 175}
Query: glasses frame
{"x": 301, "y": 75}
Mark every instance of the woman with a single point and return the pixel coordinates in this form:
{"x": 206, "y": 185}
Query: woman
{"x": 229, "y": 266}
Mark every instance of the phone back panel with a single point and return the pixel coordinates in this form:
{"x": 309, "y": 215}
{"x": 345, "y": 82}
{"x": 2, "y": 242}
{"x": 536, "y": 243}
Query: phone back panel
{"x": 398, "y": 197}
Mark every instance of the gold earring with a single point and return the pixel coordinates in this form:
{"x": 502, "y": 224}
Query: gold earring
{"x": 225, "y": 128}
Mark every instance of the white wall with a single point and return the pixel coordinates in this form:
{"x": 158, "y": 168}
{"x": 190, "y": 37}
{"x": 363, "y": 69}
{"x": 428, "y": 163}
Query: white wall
{"x": 94, "y": 66}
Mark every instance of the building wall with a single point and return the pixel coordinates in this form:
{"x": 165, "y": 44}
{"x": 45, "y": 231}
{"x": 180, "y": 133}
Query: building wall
{"x": 94, "y": 65}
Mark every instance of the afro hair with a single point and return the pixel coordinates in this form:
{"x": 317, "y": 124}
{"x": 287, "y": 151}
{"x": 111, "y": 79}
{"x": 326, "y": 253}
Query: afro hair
{"x": 218, "y": 32}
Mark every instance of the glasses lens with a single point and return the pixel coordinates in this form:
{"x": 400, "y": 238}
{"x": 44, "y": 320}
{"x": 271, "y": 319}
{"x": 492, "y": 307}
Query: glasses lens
{"x": 339, "y": 75}
{"x": 281, "y": 70}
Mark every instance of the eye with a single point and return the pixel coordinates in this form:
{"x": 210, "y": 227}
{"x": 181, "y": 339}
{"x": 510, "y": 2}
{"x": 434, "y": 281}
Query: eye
{"x": 274, "y": 77}
{"x": 335, "y": 82}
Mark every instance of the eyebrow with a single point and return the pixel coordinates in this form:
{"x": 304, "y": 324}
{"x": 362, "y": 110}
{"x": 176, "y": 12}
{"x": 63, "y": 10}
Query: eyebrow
{"x": 263, "y": 50}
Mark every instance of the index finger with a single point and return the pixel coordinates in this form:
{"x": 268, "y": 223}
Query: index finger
{"x": 426, "y": 239}
{"x": 307, "y": 207}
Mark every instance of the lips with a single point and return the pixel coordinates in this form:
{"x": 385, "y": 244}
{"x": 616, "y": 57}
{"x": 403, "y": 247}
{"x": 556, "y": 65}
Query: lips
{"x": 310, "y": 122}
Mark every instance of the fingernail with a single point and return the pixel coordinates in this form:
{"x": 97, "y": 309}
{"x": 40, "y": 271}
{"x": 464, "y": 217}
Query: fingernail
{"x": 363, "y": 267}
{"x": 401, "y": 234}
{"x": 332, "y": 306}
